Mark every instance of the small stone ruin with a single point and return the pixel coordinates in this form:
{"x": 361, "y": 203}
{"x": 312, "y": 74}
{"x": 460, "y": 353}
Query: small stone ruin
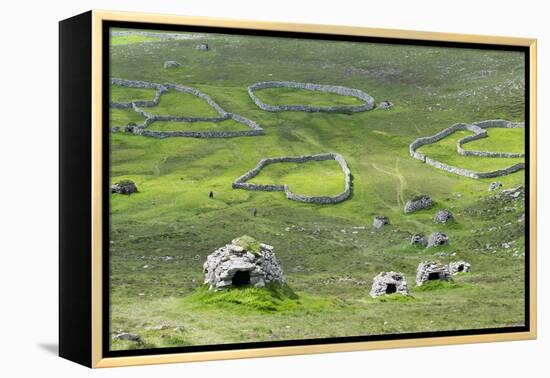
{"x": 494, "y": 186}
{"x": 171, "y": 64}
{"x": 431, "y": 271}
{"x": 202, "y": 46}
{"x": 124, "y": 187}
{"x": 459, "y": 267}
{"x": 389, "y": 283}
{"x": 418, "y": 203}
{"x": 380, "y": 221}
{"x": 244, "y": 262}
{"x": 443, "y": 216}
{"x": 418, "y": 240}
{"x": 385, "y": 105}
{"x": 437, "y": 239}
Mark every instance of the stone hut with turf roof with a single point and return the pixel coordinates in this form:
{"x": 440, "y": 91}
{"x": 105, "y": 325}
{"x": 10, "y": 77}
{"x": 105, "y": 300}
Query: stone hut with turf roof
{"x": 242, "y": 263}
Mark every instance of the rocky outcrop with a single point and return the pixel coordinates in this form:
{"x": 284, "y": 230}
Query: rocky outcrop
{"x": 380, "y": 221}
{"x": 171, "y": 64}
{"x": 494, "y": 186}
{"x": 443, "y": 216}
{"x": 418, "y": 240}
{"x": 429, "y": 271}
{"x": 389, "y": 283}
{"x": 243, "y": 262}
{"x": 459, "y": 267}
{"x": 241, "y": 182}
{"x": 418, "y": 203}
{"x": 479, "y": 131}
{"x": 124, "y": 187}
{"x": 144, "y": 129}
{"x": 437, "y": 239}
{"x": 339, "y": 90}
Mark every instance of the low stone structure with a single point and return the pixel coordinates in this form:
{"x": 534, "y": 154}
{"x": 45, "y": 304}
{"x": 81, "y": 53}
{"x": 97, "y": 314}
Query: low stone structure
{"x": 380, "y": 221}
{"x": 336, "y": 89}
{"x": 418, "y": 203}
{"x": 385, "y": 105}
{"x": 202, "y": 46}
{"x": 144, "y": 129}
{"x": 389, "y": 283}
{"x": 479, "y": 131}
{"x": 429, "y": 271}
{"x": 494, "y": 186}
{"x": 443, "y": 216}
{"x": 418, "y": 240}
{"x": 459, "y": 267}
{"x": 241, "y": 182}
{"x": 126, "y": 336}
{"x": 124, "y": 187}
{"x": 171, "y": 64}
{"x": 243, "y": 262}
{"x": 437, "y": 239}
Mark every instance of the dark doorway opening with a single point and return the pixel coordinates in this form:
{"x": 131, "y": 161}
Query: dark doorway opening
{"x": 241, "y": 279}
{"x": 433, "y": 276}
{"x": 461, "y": 268}
{"x": 391, "y": 288}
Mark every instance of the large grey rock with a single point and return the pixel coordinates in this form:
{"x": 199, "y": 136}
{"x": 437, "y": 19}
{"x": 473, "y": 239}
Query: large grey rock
{"x": 429, "y": 271}
{"x": 124, "y": 187}
{"x": 171, "y": 64}
{"x": 380, "y": 221}
{"x": 443, "y": 216}
{"x": 418, "y": 240}
{"x": 459, "y": 267}
{"x": 243, "y": 262}
{"x": 389, "y": 283}
{"x": 437, "y": 238}
{"x": 126, "y": 336}
{"x": 418, "y": 203}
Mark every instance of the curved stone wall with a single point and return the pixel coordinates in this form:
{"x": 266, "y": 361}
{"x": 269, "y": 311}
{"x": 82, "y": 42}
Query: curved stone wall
{"x": 241, "y": 182}
{"x": 137, "y": 106}
{"x": 479, "y": 130}
{"x": 343, "y": 91}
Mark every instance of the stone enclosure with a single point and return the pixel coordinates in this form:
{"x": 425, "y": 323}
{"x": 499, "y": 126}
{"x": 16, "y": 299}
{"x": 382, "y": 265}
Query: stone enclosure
{"x": 243, "y": 262}
{"x": 431, "y": 271}
{"x": 479, "y": 131}
{"x": 336, "y": 89}
{"x": 241, "y": 182}
{"x": 389, "y": 283}
{"x": 144, "y": 130}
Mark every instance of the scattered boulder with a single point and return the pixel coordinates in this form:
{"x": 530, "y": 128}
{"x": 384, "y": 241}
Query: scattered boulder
{"x": 494, "y": 186}
{"x": 437, "y": 238}
{"x": 443, "y": 216}
{"x": 418, "y": 203}
{"x": 202, "y": 46}
{"x": 380, "y": 221}
{"x": 171, "y": 64}
{"x": 385, "y": 105}
{"x": 244, "y": 262}
{"x": 459, "y": 267}
{"x": 512, "y": 194}
{"x": 389, "y": 283}
{"x": 418, "y": 240}
{"x": 126, "y": 336}
{"x": 429, "y": 271}
{"x": 124, "y": 187}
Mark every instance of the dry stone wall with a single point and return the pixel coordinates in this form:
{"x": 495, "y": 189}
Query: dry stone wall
{"x": 343, "y": 91}
{"x": 479, "y": 130}
{"x": 241, "y": 182}
{"x": 143, "y": 129}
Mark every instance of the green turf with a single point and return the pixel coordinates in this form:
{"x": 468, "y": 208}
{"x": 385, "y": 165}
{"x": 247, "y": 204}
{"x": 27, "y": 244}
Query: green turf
{"x": 288, "y": 96}
{"x": 129, "y": 39}
{"x": 120, "y": 93}
{"x": 226, "y": 125}
{"x": 176, "y": 103}
{"x": 329, "y": 253}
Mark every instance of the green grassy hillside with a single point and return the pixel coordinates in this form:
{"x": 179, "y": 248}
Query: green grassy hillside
{"x": 160, "y": 237}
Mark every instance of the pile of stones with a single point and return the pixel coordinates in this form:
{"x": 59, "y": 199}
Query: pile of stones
{"x": 418, "y": 203}
{"x": 389, "y": 283}
{"x": 429, "y": 271}
{"x": 380, "y": 221}
{"x": 171, "y": 64}
{"x": 443, "y": 216}
{"x": 243, "y": 262}
{"x": 124, "y": 187}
